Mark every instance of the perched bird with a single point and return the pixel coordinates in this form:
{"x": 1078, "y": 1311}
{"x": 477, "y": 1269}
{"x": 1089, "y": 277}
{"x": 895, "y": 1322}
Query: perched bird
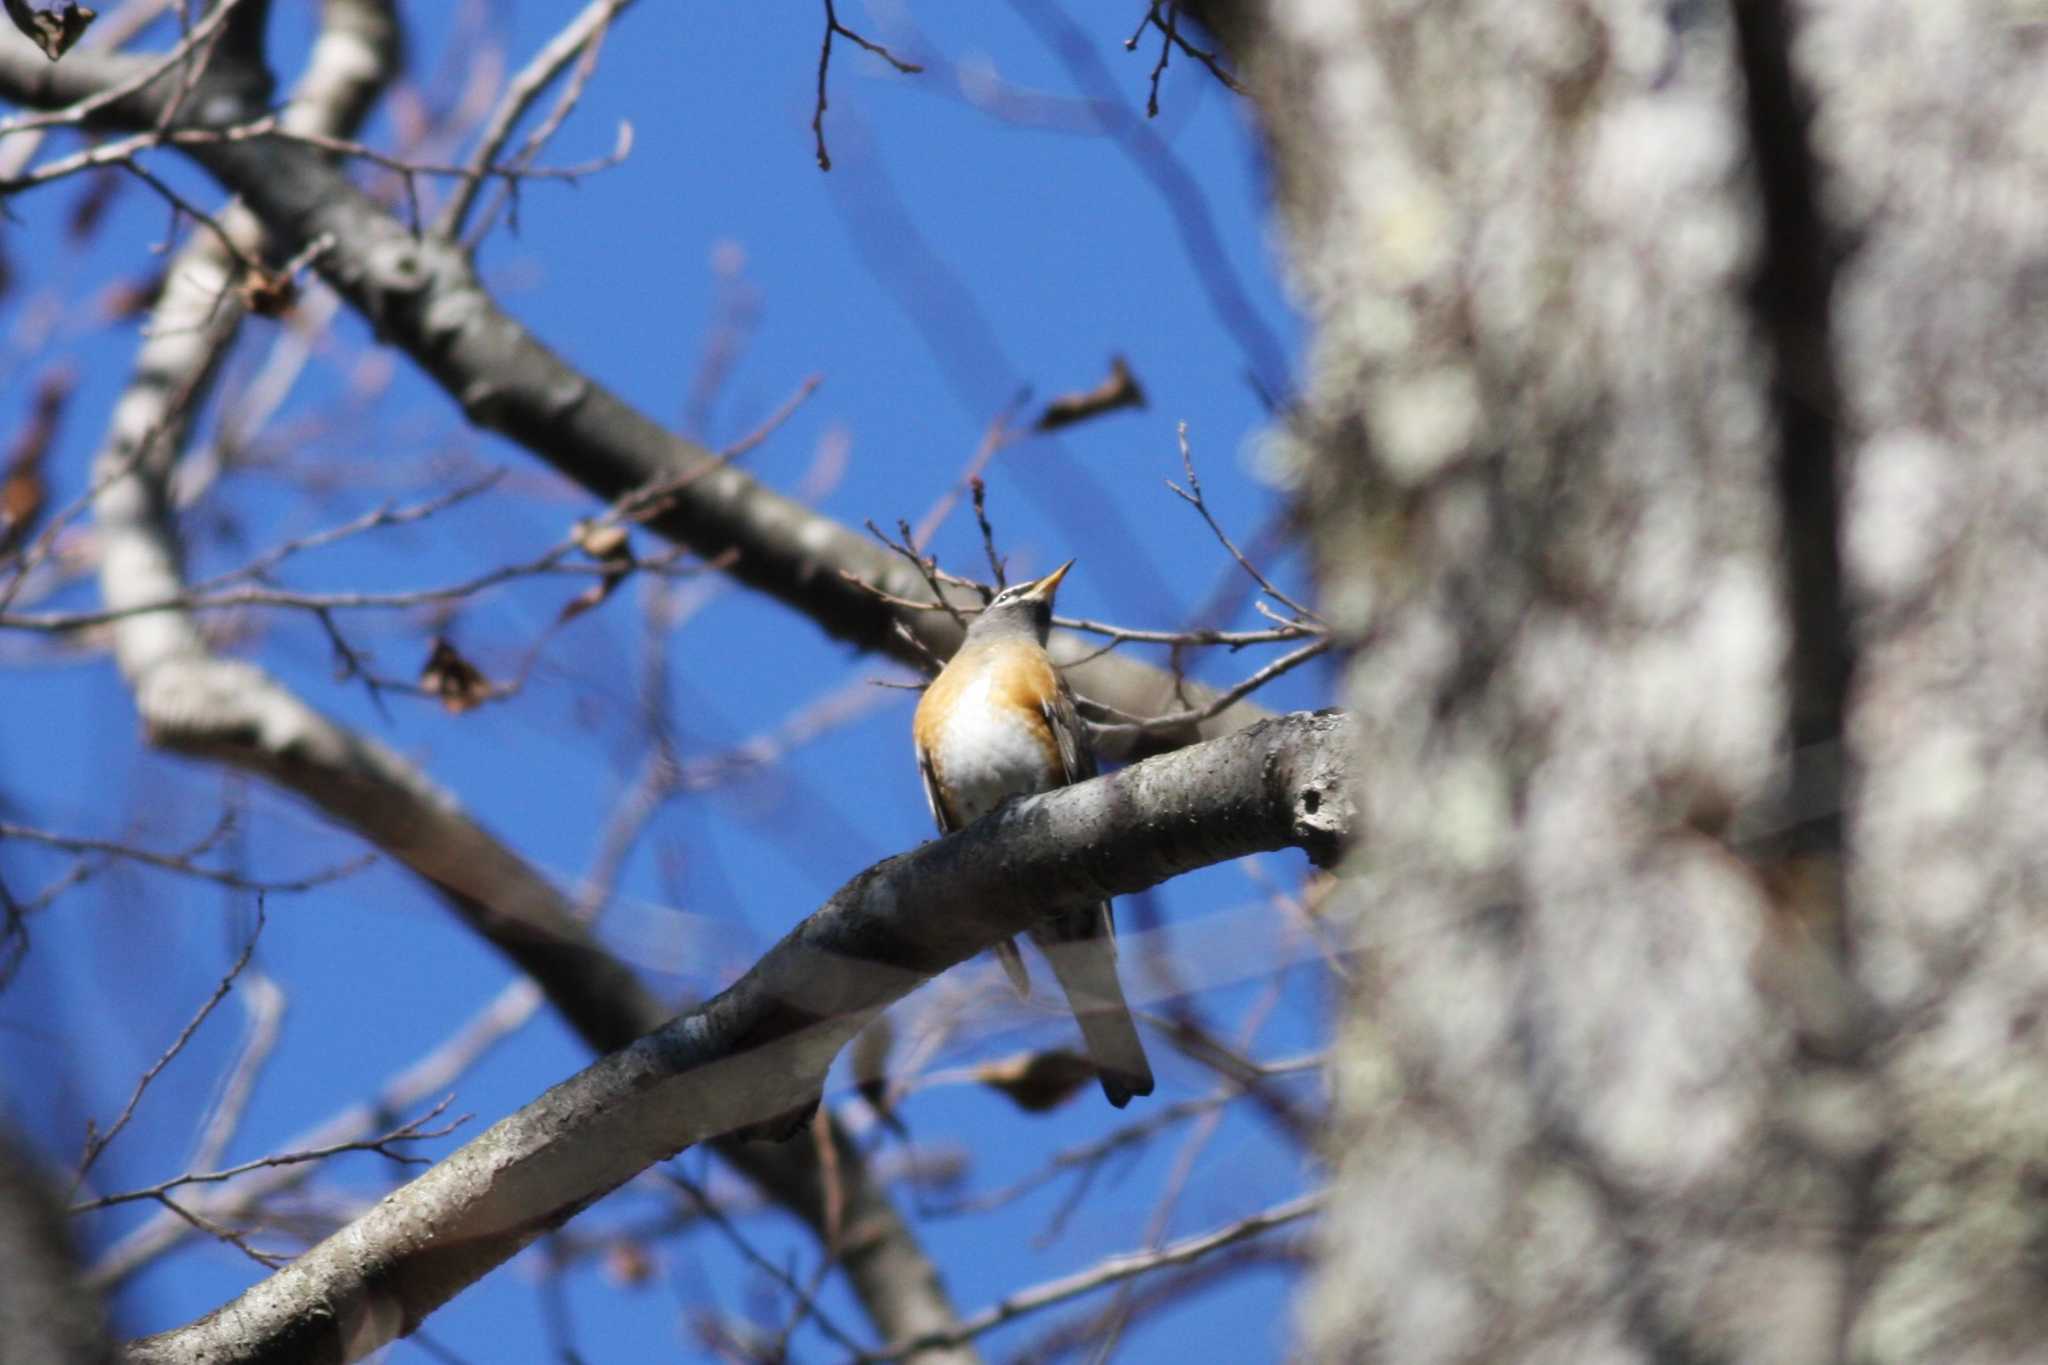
{"x": 999, "y": 722}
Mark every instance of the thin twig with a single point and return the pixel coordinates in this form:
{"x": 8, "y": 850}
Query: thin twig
{"x": 190, "y": 210}
{"x": 1183, "y": 1027}
{"x": 507, "y": 198}
{"x": 375, "y": 519}
{"x": 660, "y": 773}
{"x": 1171, "y": 26}
{"x": 902, "y": 603}
{"x": 182, "y": 863}
{"x": 1192, "y": 1146}
{"x": 834, "y": 1232}
{"x": 710, "y": 1211}
{"x": 1113, "y": 1270}
{"x": 926, "y": 566}
{"x": 1307, "y": 915}
{"x": 263, "y": 1001}
{"x": 1174, "y": 38}
{"x": 832, "y": 26}
{"x": 988, "y": 533}
{"x": 271, "y": 127}
{"x": 97, "y": 1142}
{"x": 79, "y": 112}
{"x": 554, "y": 562}
{"x": 1192, "y": 494}
{"x": 775, "y": 420}
{"x": 413, "y": 1130}
{"x": 1145, "y": 1301}
{"x": 524, "y": 89}
{"x": 268, "y": 1260}
{"x": 1081, "y": 1157}
{"x": 440, "y": 1068}
{"x": 1223, "y": 701}
{"x": 1000, "y": 432}
{"x": 1234, "y": 639}
{"x": 924, "y": 652}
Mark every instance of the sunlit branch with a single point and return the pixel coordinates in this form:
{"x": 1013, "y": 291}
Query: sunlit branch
{"x": 136, "y": 75}
{"x": 243, "y": 1196}
{"x": 759, "y": 1053}
{"x": 586, "y": 29}
{"x": 1284, "y": 664}
{"x": 385, "y": 1145}
{"x": 182, "y": 863}
{"x": 97, "y": 1140}
{"x": 1114, "y": 1270}
{"x": 424, "y": 298}
{"x": 1192, "y": 495}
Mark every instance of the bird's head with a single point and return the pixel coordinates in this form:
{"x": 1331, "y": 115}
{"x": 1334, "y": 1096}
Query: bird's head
{"x": 1020, "y": 609}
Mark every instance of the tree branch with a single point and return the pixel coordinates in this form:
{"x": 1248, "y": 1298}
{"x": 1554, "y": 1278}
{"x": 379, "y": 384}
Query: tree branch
{"x": 1114, "y": 1270}
{"x": 762, "y": 1048}
{"x": 423, "y": 296}
{"x": 192, "y": 701}
{"x": 46, "y": 1312}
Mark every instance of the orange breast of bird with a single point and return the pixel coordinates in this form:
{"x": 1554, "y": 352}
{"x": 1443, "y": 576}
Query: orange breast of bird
{"x": 982, "y": 725}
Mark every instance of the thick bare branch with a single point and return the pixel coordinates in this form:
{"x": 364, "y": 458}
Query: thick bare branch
{"x": 197, "y": 703}
{"x": 231, "y": 712}
{"x": 763, "y": 1047}
{"x": 46, "y": 1314}
{"x": 423, "y": 296}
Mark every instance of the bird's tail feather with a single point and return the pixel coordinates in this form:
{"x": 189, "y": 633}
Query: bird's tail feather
{"x": 1013, "y": 967}
{"x": 1083, "y": 957}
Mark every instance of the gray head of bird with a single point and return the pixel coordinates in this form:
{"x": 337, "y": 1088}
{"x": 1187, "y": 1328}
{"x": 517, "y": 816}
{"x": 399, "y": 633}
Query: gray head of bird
{"x": 1022, "y": 609}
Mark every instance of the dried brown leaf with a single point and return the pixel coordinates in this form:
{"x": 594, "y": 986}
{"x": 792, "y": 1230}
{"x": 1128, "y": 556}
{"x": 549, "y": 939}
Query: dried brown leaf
{"x": 129, "y": 298}
{"x": 1119, "y": 390}
{"x": 53, "y": 29}
{"x": 269, "y": 293}
{"x": 592, "y": 596}
{"x": 89, "y": 206}
{"x": 1037, "y": 1081}
{"x": 23, "y": 491}
{"x": 870, "y": 1059}
{"x": 459, "y": 684}
{"x": 627, "y": 1264}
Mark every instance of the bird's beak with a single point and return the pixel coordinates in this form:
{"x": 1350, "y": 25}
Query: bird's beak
{"x": 1045, "y": 587}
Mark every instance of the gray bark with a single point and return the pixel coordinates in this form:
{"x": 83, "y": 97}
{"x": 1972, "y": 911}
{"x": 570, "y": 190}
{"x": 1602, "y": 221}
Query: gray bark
{"x": 193, "y": 701}
{"x": 422, "y": 294}
{"x": 1676, "y": 458}
{"x": 762, "y": 1047}
{"x": 47, "y": 1314}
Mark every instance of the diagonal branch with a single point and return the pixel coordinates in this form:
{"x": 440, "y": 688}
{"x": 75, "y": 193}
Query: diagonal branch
{"x": 423, "y": 296}
{"x": 432, "y": 1073}
{"x": 1114, "y": 1270}
{"x": 581, "y": 34}
{"x": 763, "y": 1047}
{"x": 226, "y": 711}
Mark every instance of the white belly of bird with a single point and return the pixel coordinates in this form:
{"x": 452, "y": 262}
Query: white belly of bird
{"x": 987, "y": 755}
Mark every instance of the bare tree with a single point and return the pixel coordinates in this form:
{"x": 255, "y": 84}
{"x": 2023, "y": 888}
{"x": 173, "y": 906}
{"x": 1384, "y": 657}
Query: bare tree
{"x": 1675, "y": 446}
{"x": 320, "y": 222}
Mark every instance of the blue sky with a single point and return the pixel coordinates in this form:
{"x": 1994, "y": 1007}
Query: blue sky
{"x": 955, "y": 256}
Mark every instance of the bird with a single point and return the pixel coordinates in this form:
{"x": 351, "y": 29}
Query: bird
{"x": 999, "y": 721}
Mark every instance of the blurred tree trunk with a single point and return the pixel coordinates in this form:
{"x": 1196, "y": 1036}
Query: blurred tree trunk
{"x": 47, "y": 1315}
{"x": 1675, "y": 459}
